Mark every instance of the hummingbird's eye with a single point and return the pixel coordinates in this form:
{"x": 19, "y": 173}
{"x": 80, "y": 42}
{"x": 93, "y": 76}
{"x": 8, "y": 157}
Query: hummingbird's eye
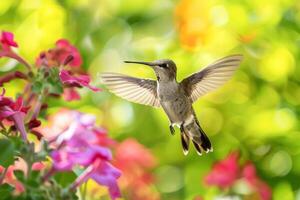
{"x": 164, "y": 65}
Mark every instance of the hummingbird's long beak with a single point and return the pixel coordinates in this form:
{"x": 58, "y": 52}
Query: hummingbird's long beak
{"x": 142, "y": 63}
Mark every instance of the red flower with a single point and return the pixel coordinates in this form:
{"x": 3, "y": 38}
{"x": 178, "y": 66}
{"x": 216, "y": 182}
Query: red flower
{"x": 13, "y": 111}
{"x": 224, "y": 172}
{"x": 250, "y": 176}
{"x": 135, "y": 161}
{"x": 7, "y": 40}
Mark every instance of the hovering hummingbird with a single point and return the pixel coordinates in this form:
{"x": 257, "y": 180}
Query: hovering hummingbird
{"x": 176, "y": 98}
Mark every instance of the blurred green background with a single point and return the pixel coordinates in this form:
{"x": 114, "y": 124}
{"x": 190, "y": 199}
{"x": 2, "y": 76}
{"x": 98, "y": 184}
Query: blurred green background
{"x": 256, "y": 112}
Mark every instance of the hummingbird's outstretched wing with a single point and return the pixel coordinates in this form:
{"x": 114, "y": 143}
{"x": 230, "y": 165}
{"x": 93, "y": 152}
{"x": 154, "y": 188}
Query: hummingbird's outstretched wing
{"x": 211, "y": 77}
{"x": 142, "y": 91}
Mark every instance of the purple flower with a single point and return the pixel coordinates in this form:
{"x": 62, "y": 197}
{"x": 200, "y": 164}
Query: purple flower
{"x": 104, "y": 174}
{"x": 83, "y": 144}
{"x": 13, "y": 111}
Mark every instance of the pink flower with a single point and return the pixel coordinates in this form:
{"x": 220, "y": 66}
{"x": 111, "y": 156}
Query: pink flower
{"x": 59, "y": 55}
{"x": 76, "y": 81}
{"x": 224, "y": 172}
{"x": 7, "y": 40}
{"x": 81, "y": 143}
{"x": 250, "y": 176}
{"x": 10, "y": 179}
{"x": 13, "y": 111}
{"x": 70, "y": 94}
{"x": 69, "y": 50}
{"x": 68, "y": 59}
{"x": 130, "y": 152}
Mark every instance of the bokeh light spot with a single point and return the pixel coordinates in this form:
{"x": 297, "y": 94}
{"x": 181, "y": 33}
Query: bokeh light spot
{"x": 280, "y": 163}
{"x": 174, "y": 181}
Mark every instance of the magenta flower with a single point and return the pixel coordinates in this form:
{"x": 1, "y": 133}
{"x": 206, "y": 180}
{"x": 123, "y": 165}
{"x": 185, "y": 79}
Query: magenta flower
{"x": 79, "y": 81}
{"x": 13, "y": 111}
{"x": 224, "y": 172}
{"x": 104, "y": 174}
{"x": 227, "y": 172}
{"x": 68, "y": 59}
{"x": 7, "y": 40}
{"x": 250, "y": 176}
{"x": 83, "y": 144}
{"x": 59, "y": 55}
{"x": 69, "y": 50}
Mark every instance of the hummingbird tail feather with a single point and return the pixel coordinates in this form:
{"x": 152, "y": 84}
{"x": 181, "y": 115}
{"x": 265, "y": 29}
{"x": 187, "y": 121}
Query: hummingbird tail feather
{"x": 185, "y": 141}
{"x": 203, "y": 141}
{"x": 199, "y": 138}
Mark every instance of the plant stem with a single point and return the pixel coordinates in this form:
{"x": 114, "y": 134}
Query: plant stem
{"x": 3, "y": 175}
{"x": 84, "y": 191}
{"x": 37, "y": 108}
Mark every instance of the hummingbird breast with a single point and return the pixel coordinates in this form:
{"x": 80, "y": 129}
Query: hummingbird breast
{"x": 175, "y": 103}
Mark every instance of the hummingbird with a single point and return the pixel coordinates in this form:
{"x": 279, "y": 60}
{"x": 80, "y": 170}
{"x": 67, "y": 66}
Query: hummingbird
{"x": 176, "y": 98}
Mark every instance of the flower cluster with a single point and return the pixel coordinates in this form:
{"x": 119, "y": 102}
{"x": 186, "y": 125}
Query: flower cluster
{"x": 67, "y": 58}
{"x": 54, "y": 75}
{"x": 227, "y": 173}
{"x": 76, "y": 144}
{"x": 135, "y": 161}
{"x": 82, "y": 144}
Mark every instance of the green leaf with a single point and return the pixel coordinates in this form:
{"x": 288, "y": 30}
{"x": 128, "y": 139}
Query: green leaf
{"x": 7, "y": 152}
{"x": 19, "y": 175}
{"x": 5, "y": 191}
{"x": 65, "y": 178}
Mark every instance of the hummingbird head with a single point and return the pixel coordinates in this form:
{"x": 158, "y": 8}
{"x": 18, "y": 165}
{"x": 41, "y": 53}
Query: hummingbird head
{"x": 164, "y": 69}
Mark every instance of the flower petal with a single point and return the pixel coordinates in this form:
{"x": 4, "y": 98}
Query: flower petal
{"x": 81, "y": 80}
{"x": 18, "y": 119}
{"x": 7, "y": 40}
{"x": 70, "y": 94}
{"x": 106, "y": 174}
